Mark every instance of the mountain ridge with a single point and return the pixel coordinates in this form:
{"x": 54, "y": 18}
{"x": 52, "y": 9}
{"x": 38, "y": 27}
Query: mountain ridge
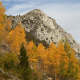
{"x": 44, "y": 27}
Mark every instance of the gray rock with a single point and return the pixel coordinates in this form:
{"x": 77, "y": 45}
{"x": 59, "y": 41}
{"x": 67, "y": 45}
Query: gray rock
{"x": 44, "y": 28}
{"x": 1, "y": 70}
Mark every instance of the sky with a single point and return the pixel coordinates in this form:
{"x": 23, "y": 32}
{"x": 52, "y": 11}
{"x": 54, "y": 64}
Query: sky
{"x": 65, "y": 12}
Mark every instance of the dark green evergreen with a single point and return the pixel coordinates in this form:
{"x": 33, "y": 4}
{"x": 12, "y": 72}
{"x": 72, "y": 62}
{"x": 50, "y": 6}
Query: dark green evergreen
{"x": 25, "y": 69}
{"x": 23, "y": 57}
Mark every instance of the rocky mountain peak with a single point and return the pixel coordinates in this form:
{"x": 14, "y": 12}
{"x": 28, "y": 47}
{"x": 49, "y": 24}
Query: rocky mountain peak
{"x": 36, "y": 14}
{"x": 44, "y": 27}
{"x": 37, "y": 11}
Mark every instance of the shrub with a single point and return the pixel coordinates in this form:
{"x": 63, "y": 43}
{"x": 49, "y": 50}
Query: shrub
{"x": 8, "y": 60}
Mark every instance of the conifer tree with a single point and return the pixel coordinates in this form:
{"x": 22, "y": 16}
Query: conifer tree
{"x": 24, "y": 64}
{"x": 23, "y": 59}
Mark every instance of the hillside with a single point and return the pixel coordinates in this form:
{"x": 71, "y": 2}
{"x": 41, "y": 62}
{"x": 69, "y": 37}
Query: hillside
{"x": 35, "y": 47}
{"x": 43, "y": 27}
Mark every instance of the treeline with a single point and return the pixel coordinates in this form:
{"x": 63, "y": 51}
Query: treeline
{"x": 57, "y": 60}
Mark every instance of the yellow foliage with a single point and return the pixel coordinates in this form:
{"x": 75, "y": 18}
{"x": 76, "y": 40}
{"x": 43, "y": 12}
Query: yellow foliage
{"x": 41, "y": 55}
{"x": 32, "y": 52}
{"x": 15, "y": 39}
{"x": 8, "y": 57}
{"x": 2, "y": 20}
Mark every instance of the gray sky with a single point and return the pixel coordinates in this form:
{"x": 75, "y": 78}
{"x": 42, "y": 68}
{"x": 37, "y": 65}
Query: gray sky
{"x": 65, "y": 12}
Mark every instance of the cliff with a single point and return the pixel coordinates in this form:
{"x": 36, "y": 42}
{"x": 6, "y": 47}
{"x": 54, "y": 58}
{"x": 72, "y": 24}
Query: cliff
{"x": 43, "y": 27}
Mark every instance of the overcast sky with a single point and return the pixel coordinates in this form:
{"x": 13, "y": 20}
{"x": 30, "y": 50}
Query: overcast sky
{"x": 65, "y": 12}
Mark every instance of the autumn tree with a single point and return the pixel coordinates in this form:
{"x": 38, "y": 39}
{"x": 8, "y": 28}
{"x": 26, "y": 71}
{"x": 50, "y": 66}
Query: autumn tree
{"x": 41, "y": 55}
{"x": 15, "y": 38}
{"x": 7, "y": 27}
{"x": 63, "y": 61}
{"x": 73, "y": 67}
{"x": 52, "y": 60}
{"x": 32, "y": 52}
{"x": 2, "y": 20}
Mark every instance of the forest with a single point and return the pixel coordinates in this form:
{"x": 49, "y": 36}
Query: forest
{"x": 27, "y": 61}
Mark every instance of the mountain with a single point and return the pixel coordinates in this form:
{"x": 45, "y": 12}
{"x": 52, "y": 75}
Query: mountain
{"x": 43, "y": 27}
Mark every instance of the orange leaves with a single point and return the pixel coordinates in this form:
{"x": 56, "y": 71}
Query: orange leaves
{"x": 29, "y": 46}
{"x": 32, "y": 52}
{"x": 41, "y": 55}
{"x": 73, "y": 60}
{"x": 2, "y": 19}
{"x": 61, "y": 46}
{"x": 7, "y": 25}
{"x": 2, "y": 12}
{"x": 52, "y": 46}
{"x": 4, "y": 23}
{"x": 40, "y": 50}
{"x": 51, "y": 59}
{"x": 15, "y": 38}
{"x": 73, "y": 63}
{"x": 9, "y": 38}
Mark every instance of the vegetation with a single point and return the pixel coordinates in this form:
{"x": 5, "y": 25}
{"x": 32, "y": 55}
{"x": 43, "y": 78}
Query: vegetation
{"x": 30, "y": 37}
{"x": 29, "y": 57}
{"x": 2, "y": 20}
{"x": 24, "y": 64}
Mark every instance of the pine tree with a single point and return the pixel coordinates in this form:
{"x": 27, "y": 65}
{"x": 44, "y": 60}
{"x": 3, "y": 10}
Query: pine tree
{"x": 24, "y": 64}
{"x": 23, "y": 59}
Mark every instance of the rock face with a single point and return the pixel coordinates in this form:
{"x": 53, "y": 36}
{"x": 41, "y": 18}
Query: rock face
{"x": 44, "y": 27}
